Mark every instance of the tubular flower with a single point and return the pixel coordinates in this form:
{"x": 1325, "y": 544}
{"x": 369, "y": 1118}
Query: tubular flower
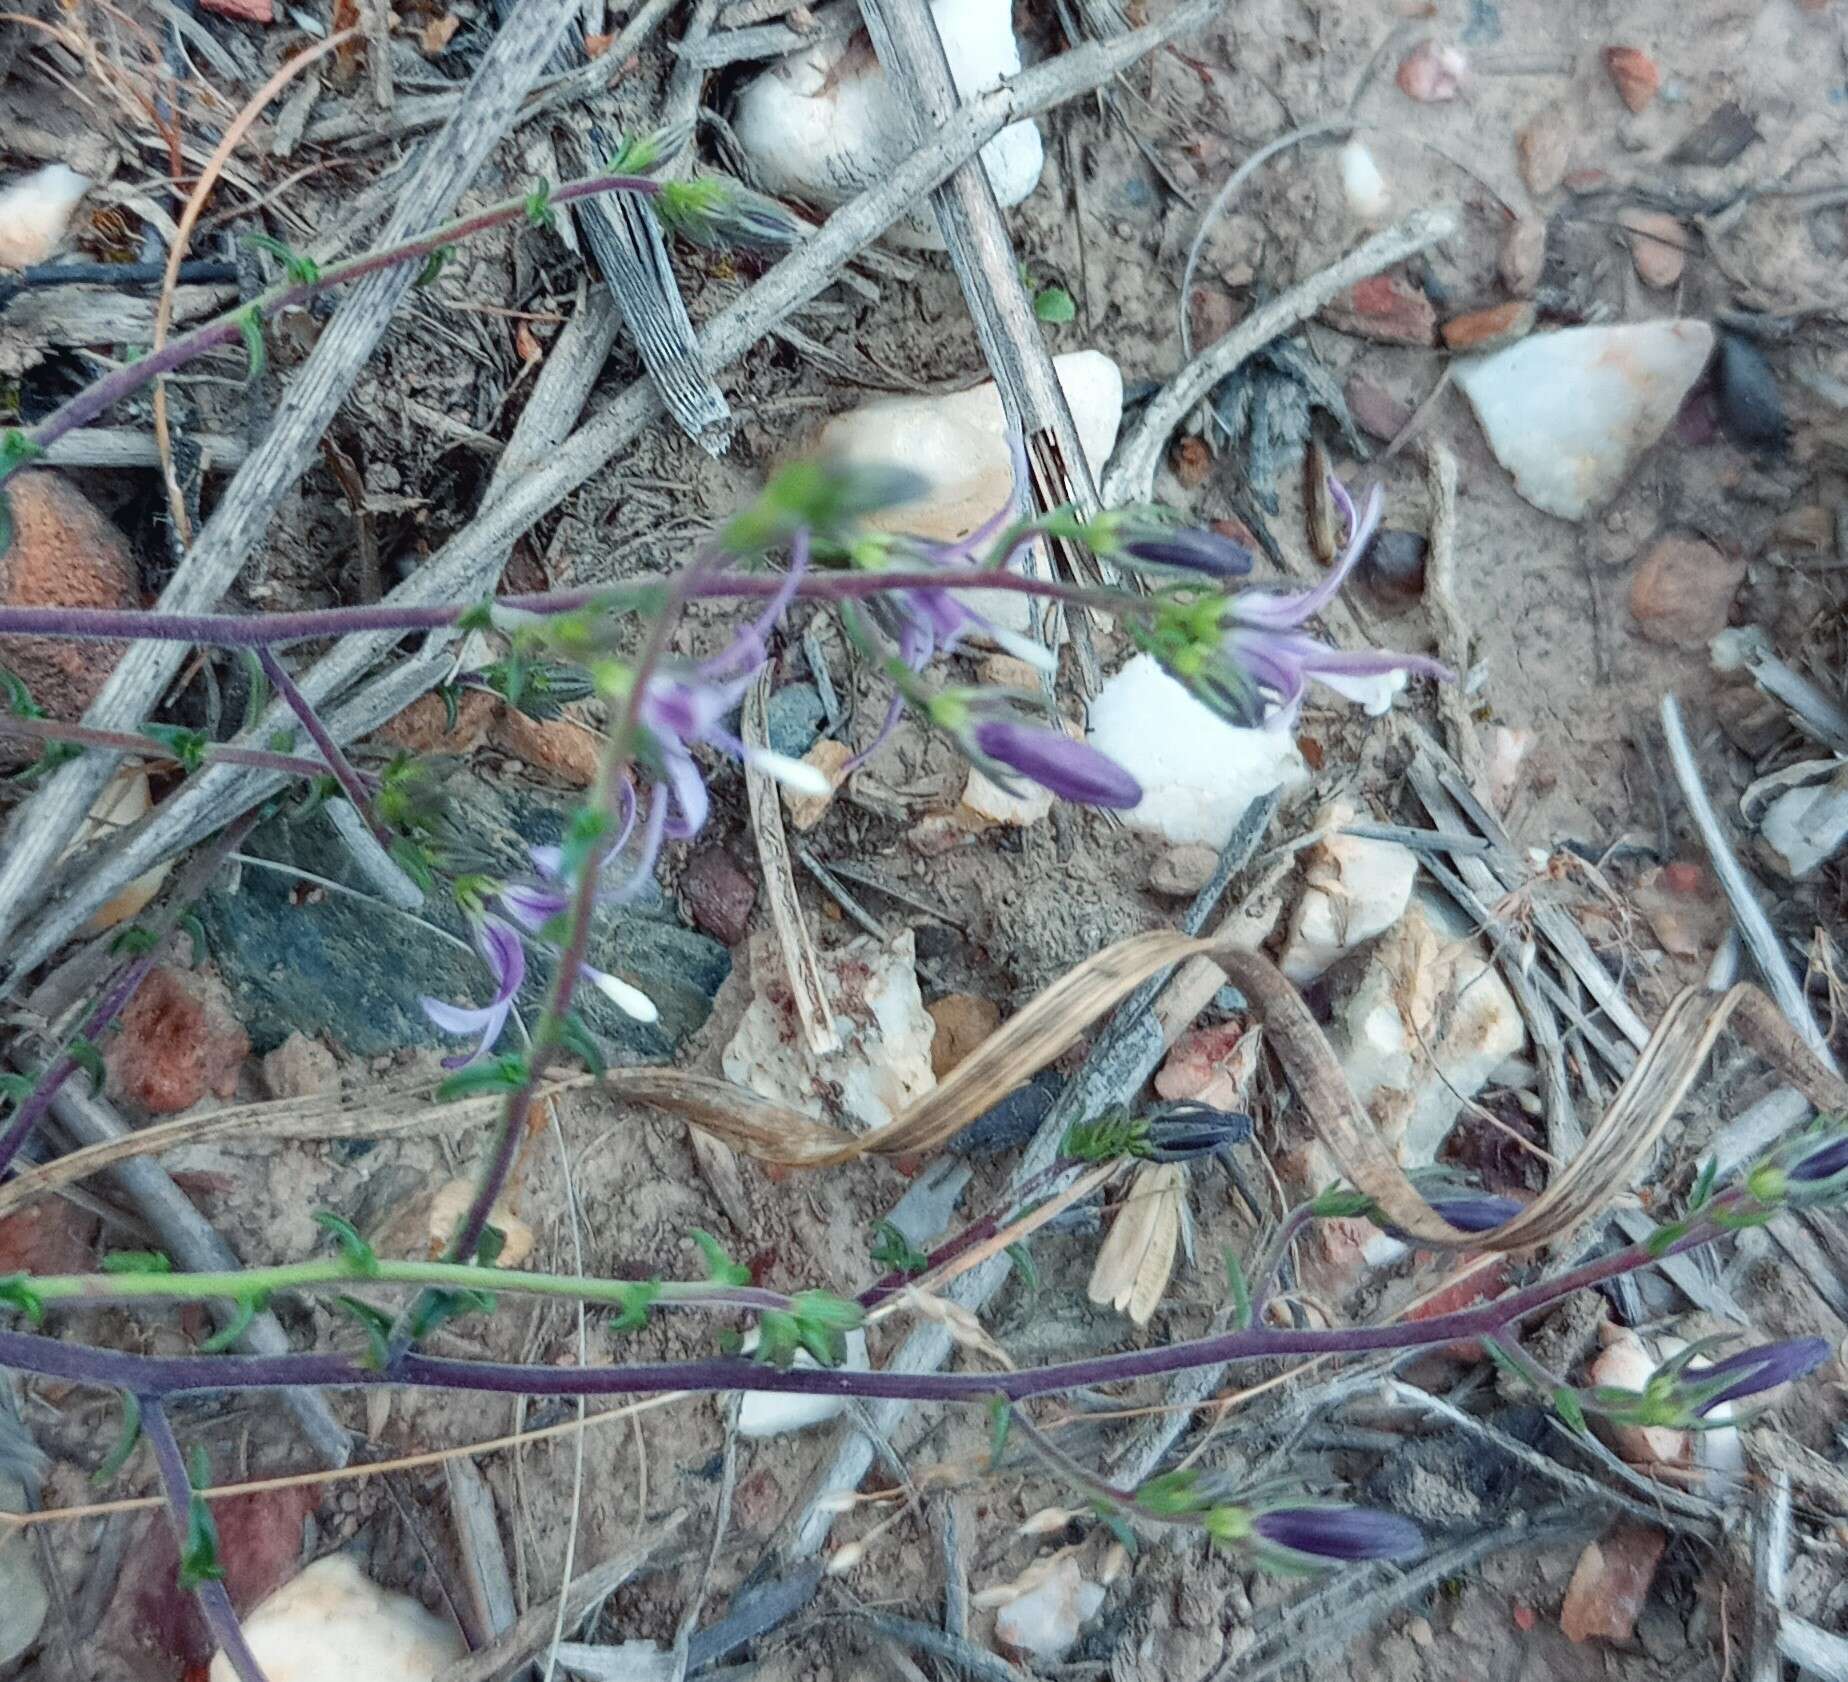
{"x": 499, "y": 945}
{"x": 1312, "y": 1537}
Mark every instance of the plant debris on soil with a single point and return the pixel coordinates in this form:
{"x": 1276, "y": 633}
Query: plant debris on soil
{"x": 1610, "y": 417}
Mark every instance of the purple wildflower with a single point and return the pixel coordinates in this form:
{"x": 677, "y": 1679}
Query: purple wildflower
{"x": 500, "y": 949}
{"x": 1753, "y": 1371}
{"x": 1263, "y": 638}
{"x": 1476, "y": 1214}
{"x": 1823, "y": 1163}
{"x": 1072, "y": 770}
{"x": 1338, "y": 1533}
{"x": 1186, "y": 549}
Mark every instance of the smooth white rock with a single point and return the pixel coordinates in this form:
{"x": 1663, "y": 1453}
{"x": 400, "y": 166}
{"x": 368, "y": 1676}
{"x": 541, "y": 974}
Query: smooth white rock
{"x": 34, "y": 212}
{"x": 770, "y": 1413}
{"x": 23, "y": 1599}
{"x": 1569, "y": 413}
{"x": 885, "y": 1034}
{"x": 1363, "y": 185}
{"x": 1047, "y": 1620}
{"x": 331, "y": 1623}
{"x": 1626, "y": 1363}
{"x": 1198, "y": 773}
{"x": 1429, "y": 966}
{"x": 958, "y": 444}
{"x": 823, "y": 124}
{"x": 1355, "y": 889}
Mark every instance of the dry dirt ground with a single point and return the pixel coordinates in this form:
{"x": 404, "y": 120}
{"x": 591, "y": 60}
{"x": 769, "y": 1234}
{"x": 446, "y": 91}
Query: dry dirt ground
{"x": 1558, "y": 653}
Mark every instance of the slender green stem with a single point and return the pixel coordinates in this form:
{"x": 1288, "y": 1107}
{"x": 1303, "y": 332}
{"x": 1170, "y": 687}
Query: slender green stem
{"x": 247, "y": 1284}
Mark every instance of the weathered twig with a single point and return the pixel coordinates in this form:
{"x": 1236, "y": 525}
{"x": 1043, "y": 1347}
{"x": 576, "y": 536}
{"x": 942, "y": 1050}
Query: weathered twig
{"x": 1770, "y": 1555}
{"x": 1131, "y": 475}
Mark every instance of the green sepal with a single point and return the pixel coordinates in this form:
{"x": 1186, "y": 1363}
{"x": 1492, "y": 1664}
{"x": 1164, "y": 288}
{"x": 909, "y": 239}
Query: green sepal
{"x": 1000, "y": 1422}
{"x": 133, "y": 941}
{"x": 433, "y": 265}
{"x": 1025, "y": 1266}
{"x": 227, "y": 1335}
{"x": 720, "y": 1268}
{"x": 1054, "y": 305}
{"x": 1241, "y": 1292}
{"x": 303, "y": 270}
{"x": 1567, "y": 1405}
{"x": 439, "y": 1307}
{"x": 16, "y": 1089}
{"x": 19, "y": 700}
{"x": 539, "y": 209}
{"x": 195, "y": 932}
{"x": 256, "y": 354}
{"x": 130, "y": 1434}
{"x": 507, "y": 1073}
{"x": 199, "y": 1561}
{"x": 256, "y": 689}
{"x": 894, "y": 1252}
{"x": 376, "y": 1324}
{"x": 16, "y": 1292}
{"x": 136, "y": 1261}
{"x": 1703, "y": 1187}
{"x": 1340, "y": 1202}
{"x": 362, "y": 1262}
{"x": 186, "y": 746}
{"x": 84, "y": 1054}
{"x": 637, "y": 1300}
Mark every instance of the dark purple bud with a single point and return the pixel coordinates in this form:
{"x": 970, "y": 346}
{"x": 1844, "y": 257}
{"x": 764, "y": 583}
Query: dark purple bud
{"x": 1753, "y": 1371}
{"x": 1824, "y": 1163}
{"x": 1477, "y": 1214}
{"x": 1180, "y": 1131}
{"x": 1072, "y": 770}
{"x": 1341, "y": 1533}
{"x": 1190, "y": 549}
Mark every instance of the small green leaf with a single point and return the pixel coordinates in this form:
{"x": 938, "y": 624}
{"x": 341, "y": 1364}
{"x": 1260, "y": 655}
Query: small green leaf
{"x": 575, "y": 1035}
{"x": 133, "y": 941}
{"x": 1118, "y": 1526}
{"x": 137, "y": 1261}
{"x": 186, "y": 746}
{"x": 496, "y": 1074}
{"x": 1664, "y": 1238}
{"x": 199, "y": 1556}
{"x": 16, "y": 1292}
{"x": 1241, "y": 1292}
{"x": 480, "y": 617}
{"x": 636, "y": 1301}
{"x": 256, "y": 690}
{"x": 1000, "y": 1422}
{"x": 1026, "y": 1267}
{"x": 227, "y": 1335}
{"x": 720, "y": 1268}
{"x": 17, "y": 1089}
{"x": 117, "y": 1457}
{"x": 304, "y": 271}
{"x": 824, "y": 1308}
{"x": 19, "y": 700}
{"x": 451, "y": 694}
{"x": 439, "y": 1307}
{"x": 16, "y": 449}
{"x": 539, "y": 209}
{"x": 1567, "y": 1405}
{"x": 362, "y": 1262}
{"x": 195, "y": 932}
{"x": 1340, "y": 1202}
{"x": 1173, "y": 1493}
{"x": 85, "y": 1055}
{"x": 894, "y": 1252}
{"x": 779, "y": 1337}
{"x": 1703, "y": 1187}
{"x": 1054, "y": 305}
{"x": 434, "y": 265}
{"x": 413, "y": 858}
{"x": 376, "y": 1324}
{"x": 489, "y": 1245}
{"x": 250, "y": 325}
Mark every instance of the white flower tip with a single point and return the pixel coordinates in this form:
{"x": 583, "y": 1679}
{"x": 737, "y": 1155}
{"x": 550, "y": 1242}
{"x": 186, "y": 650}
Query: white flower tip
{"x": 795, "y": 774}
{"x": 1036, "y": 654}
{"x": 631, "y": 1001}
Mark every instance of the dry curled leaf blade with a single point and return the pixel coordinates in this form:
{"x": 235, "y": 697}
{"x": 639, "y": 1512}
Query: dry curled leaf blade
{"x": 1136, "y": 1259}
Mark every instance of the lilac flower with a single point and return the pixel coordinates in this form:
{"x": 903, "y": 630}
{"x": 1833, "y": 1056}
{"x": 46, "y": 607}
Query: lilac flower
{"x": 1753, "y": 1371}
{"x": 1476, "y": 1214}
{"x": 1180, "y": 548}
{"x": 500, "y": 949}
{"x": 1072, "y": 770}
{"x": 1823, "y": 1163}
{"x": 1263, "y": 639}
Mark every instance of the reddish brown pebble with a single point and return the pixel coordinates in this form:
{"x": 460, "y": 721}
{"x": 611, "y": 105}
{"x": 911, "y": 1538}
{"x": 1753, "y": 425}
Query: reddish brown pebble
{"x": 1523, "y": 255}
{"x": 1658, "y": 245}
{"x": 1611, "y": 1583}
{"x": 1634, "y": 74}
{"x": 719, "y": 896}
{"x": 1524, "y": 1616}
{"x": 1192, "y": 461}
{"x": 1388, "y": 309}
{"x": 1375, "y": 409}
{"x": 63, "y": 554}
{"x": 1239, "y": 533}
{"x": 1211, "y": 314}
{"x": 245, "y": 11}
{"x": 559, "y": 748}
{"x": 1682, "y": 591}
{"x": 177, "y": 1043}
{"x": 1490, "y": 329}
{"x": 50, "y": 1236}
{"x": 1685, "y": 877}
{"x": 424, "y": 727}
{"x": 963, "y": 1022}
{"x": 1544, "y": 149}
{"x": 1431, "y": 73}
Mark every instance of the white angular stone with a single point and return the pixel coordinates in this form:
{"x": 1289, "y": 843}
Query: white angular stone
{"x": 885, "y": 1035}
{"x": 1427, "y": 1025}
{"x": 1356, "y": 888}
{"x": 1363, "y": 185}
{"x": 986, "y": 800}
{"x": 823, "y": 124}
{"x": 1569, "y": 413}
{"x": 1805, "y": 827}
{"x": 1047, "y": 1620}
{"x": 770, "y": 1413}
{"x": 23, "y": 1599}
{"x": 35, "y": 209}
{"x": 331, "y": 1623}
{"x": 1198, "y": 773}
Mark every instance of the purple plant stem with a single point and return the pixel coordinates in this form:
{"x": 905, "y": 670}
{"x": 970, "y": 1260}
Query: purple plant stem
{"x": 150, "y": 1375}
{"x": 213, "y": 1599}
{"x": 117, "y": 994}
{"x": 277, "y": 630}
{"x": 318, "y": 733}
{"x": 150, "y": 747}
{"x": 97, "y": 399}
